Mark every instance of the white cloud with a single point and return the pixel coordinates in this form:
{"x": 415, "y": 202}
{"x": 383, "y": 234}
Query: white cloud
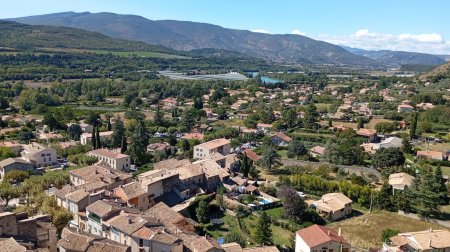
{"x": 365, "y": 39}
{"x": 261, "y": 31}
{"x": 298, "y": 32}
{"x": 426, "y": 38}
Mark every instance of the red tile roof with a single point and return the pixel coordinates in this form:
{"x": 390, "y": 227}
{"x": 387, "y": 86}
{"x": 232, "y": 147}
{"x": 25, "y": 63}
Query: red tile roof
{"x": 315, "y": 235}
{"x": 251, "y": 155}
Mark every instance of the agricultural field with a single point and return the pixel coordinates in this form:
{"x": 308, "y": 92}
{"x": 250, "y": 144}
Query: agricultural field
{"x": 372, "y": 225}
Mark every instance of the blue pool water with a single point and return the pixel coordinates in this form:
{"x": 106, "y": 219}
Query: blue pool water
{"x": 264, "y": 202}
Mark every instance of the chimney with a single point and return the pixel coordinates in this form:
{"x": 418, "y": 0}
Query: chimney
{"x": 339, "y": 231}
{"x": 431, "y": 230}
{"x": 329, "y": 233}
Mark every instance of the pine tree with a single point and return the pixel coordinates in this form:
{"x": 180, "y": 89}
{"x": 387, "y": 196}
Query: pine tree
{"x": 93, "y": 139}
{"x": 425, "y": 201}
{"x": 384, "y": 197}
{"x": 98, "y": 143}
{"x": 263, "y": 234}
{"x": 270, "y": 158}
{"x": 440, "y": 186}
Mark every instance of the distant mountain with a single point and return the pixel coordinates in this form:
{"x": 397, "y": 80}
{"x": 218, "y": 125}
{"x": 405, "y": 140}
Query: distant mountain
{"x": 398, "y": 58}
{"x": 186, "y": 36}
{"x": 16, "y": 36}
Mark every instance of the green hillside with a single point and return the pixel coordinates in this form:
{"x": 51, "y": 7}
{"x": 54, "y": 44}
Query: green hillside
{"x": 20, "y": 37}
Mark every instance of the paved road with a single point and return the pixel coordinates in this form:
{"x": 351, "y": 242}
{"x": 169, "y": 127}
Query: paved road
{"x": 351, "y": 169}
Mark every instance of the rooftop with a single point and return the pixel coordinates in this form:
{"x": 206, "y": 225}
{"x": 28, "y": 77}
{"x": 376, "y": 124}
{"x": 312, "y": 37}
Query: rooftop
{"x": 216, "y": 143}
{"x": 107, "y": 153}
{"x": 98, "y": 172}
{"x": 401, "y": 179}
{"x": 332, "y": 202}
{"x": 316, "y": 235}
{"x": 423, "y": 240}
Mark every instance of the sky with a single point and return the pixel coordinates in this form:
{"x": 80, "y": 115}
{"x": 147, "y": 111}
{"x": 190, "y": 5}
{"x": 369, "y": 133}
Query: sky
{"x": 407, "y": 25}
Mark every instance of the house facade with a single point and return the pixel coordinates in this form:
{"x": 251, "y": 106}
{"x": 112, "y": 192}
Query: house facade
{"x": 220, "y": 145}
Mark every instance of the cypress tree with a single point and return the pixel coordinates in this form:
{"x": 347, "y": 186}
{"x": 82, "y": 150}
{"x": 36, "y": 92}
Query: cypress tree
{"x": 413, "y": 126}
{"x": 124, "y": 147}
{"x": 93, "y": 140}
{"x": 98, "y": 143}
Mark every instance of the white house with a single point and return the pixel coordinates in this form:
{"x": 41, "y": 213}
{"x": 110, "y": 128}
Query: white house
{"x": 85, "y": 138}
{"x": 220, "y": 145}
{"x": 39, "y": 155}
{"x": 113, "y": 160}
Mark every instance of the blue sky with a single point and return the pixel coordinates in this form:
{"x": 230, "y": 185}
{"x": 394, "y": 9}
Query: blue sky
{"x": 379, "y": 24}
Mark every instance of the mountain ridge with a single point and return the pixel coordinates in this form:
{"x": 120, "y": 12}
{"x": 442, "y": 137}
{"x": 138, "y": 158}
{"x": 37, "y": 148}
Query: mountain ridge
{"x": 398, "y": 58}
{"x": 188, "y": 35}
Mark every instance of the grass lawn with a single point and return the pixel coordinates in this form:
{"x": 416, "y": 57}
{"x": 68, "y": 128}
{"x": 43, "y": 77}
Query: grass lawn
{"x": 435, "y": 147}
{"x": 365, "y": 231}
{"x": 281, "y": 236}
{"x": 283, "y": 153}
{"x": 445, "y": 170}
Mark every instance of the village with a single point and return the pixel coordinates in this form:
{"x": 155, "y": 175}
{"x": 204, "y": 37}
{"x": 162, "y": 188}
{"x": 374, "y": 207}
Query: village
{"x": 215, "y": 179}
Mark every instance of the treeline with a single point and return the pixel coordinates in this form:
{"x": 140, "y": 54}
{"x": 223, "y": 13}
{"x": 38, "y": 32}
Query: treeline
{"x": 28, "y": 66}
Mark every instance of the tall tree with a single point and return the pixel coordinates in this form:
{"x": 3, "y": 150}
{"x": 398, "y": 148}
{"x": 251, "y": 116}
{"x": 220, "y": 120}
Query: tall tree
{"x": 270, "y": 158}
{"x": 93, "y": 119}
{"x": 188, "y": 118}
{"x": 159, "y": 116}
{"x": 384, "y": 197}
{"x": 139, "y": 142}
{"x": 202, "y": 211}
{"x": 296, "y": 149}
{"x": 246, "y": 165}
{"x": 118, "y": 133}
{"x": 263, "y": 233}
{"x": 98, "y": 142}
{"x": 388, "y": 157}
{"x": 94, "y": 139}
{"x": 425, "y": 201}
{"x": 310, "y": 118}
{"x": 290, "y": 117}
{"x": 124, "y": 145}
{"x": 74, "y": 132}
{"x": 294, "y": 207}
{"x": 413, "y": 125}
{"x": 440, "y": 186}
